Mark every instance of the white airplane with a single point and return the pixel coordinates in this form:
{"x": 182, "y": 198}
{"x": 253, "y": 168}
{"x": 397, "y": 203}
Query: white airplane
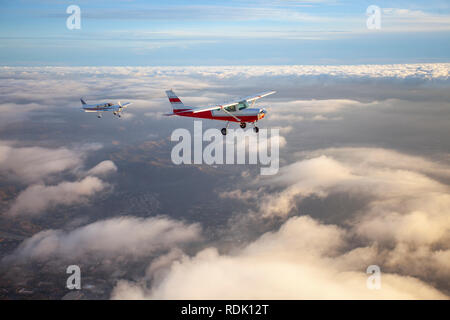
{"x": 99, "y": 108}
{"x": 237, "y": 110}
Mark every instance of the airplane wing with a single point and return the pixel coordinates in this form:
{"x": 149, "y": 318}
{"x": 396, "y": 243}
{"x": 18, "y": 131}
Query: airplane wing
{"x": 124, "y": 105}
{"x": 257, "y": 96}
{"x": 232, "y": 103}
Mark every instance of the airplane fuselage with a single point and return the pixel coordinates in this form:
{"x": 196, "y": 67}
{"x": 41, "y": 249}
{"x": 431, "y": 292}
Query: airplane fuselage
{"x": 100, "y": 107}
{"x": 244, "y": 115}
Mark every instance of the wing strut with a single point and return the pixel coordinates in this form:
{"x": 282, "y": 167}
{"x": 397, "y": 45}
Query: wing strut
{"x": 224, "y": 110}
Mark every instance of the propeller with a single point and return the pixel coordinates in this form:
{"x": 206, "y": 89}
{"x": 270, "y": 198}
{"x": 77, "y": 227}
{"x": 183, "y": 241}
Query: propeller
{"x": 120, "y": 109}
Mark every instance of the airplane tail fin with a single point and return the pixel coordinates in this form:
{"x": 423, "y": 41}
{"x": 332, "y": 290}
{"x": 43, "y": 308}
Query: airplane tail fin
{"x": 82, "y": 101}
{"x": 175, "y": 101}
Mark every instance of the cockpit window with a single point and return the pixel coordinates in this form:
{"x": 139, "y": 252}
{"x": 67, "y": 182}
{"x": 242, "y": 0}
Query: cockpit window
{"x": 239, "y": 106}
{"x": 242, "y": 105}
{"x": 231, "y": 108}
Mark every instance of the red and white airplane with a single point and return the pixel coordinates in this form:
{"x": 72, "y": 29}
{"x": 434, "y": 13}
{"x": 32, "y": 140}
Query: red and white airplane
{"x": 235, "y": 111}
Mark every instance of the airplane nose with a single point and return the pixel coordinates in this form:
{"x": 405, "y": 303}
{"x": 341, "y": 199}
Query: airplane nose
{"x": 262, "y": 113}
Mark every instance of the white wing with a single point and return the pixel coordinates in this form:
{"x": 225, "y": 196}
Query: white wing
{"x": 126, "y": 104}
{"x": 257, "y": 96}
{"x": 232, "y": 103}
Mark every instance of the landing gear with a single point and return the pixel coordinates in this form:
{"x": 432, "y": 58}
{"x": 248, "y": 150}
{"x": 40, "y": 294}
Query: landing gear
{"x": 224, "y": 130}
{"x": 243, "y": 125}
{"x": 99, "y": 116}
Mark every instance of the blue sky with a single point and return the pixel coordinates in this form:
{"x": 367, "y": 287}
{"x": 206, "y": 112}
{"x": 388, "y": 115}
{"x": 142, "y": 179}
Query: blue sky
{"x": 252, "y": 32}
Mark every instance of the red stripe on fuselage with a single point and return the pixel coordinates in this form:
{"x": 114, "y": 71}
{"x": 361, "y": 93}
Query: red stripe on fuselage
{"x": 208, "y": 115}
{"x": 95, "y": 109}
{"x": 180, "y": 110}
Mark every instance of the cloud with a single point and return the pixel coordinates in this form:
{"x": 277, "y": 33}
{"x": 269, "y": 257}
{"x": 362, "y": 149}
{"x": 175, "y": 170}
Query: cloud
{"x": 287, "y": 111}
{"x": 382, "y": 158}
{"x": 404, "y": 228}
{"x": 379, "y": 173}
{"x": 37, "y": 198}
{"x": 404, "y": 218}
{"x": 301, "y": 260}
{"x": 39, "y": 168}
{"x": 180, "y": 78}
{"x": 124, "y": 236}
{"x": 367, "y": 205}
{"x": 425, "y": 71}
{"x": 317, "y": 106}
{"x": 15, "y": 112}
{"x": 302, "y": 179}
{"x": 103, "y": 168}
{"x": 403, "y": 221}
{"x": 401, "y": 20}
{"x": 32, "y": 164}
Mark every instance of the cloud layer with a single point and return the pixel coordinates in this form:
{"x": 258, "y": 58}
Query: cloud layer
{"x": 123, "y": 236}
{"x": 364, "y": 180}
{"x": 38, "y": 198}
{"x": 32, "y": 164}
{"x": 424, "y": 71}
{"x": 39, "y": 168}
{"x": 299, "y": 261}
{"x": 405, "y": 217}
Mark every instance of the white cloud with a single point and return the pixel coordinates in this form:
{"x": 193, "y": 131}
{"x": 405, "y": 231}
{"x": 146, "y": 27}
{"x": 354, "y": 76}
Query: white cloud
{"x": 316, "y": 106}
{"x": 37, "y": 198}
{"x": 124, "y": 236}
{"x": 31, "y": 164}
{"x": 405, "y": 221}
{"x": 407, "y": 210}
{"x": 181, "y": 78}
{"x": 39, "y": 167}
{"x": 13, "y": 112}
{"x": 407, "y": 20}
{"x": 376, "y": 172}
{"x": 403, "y": 226}
{"x": 300, "y": 261}
{"x": 103, "y": 168}
{"x": 382, "y": 158}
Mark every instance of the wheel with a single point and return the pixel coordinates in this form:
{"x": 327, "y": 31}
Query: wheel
{"x": 119, "y": 115}
{"x": 224, "y": 131}
{"x": 243, "y": 125}
{"x": 99, "y": 117}
{"x": 256, "y": 129}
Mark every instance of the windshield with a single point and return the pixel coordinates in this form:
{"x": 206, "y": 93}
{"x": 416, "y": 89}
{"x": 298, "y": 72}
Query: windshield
{"x": 231, "y": 108}
{"x": 242, "y": 105}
